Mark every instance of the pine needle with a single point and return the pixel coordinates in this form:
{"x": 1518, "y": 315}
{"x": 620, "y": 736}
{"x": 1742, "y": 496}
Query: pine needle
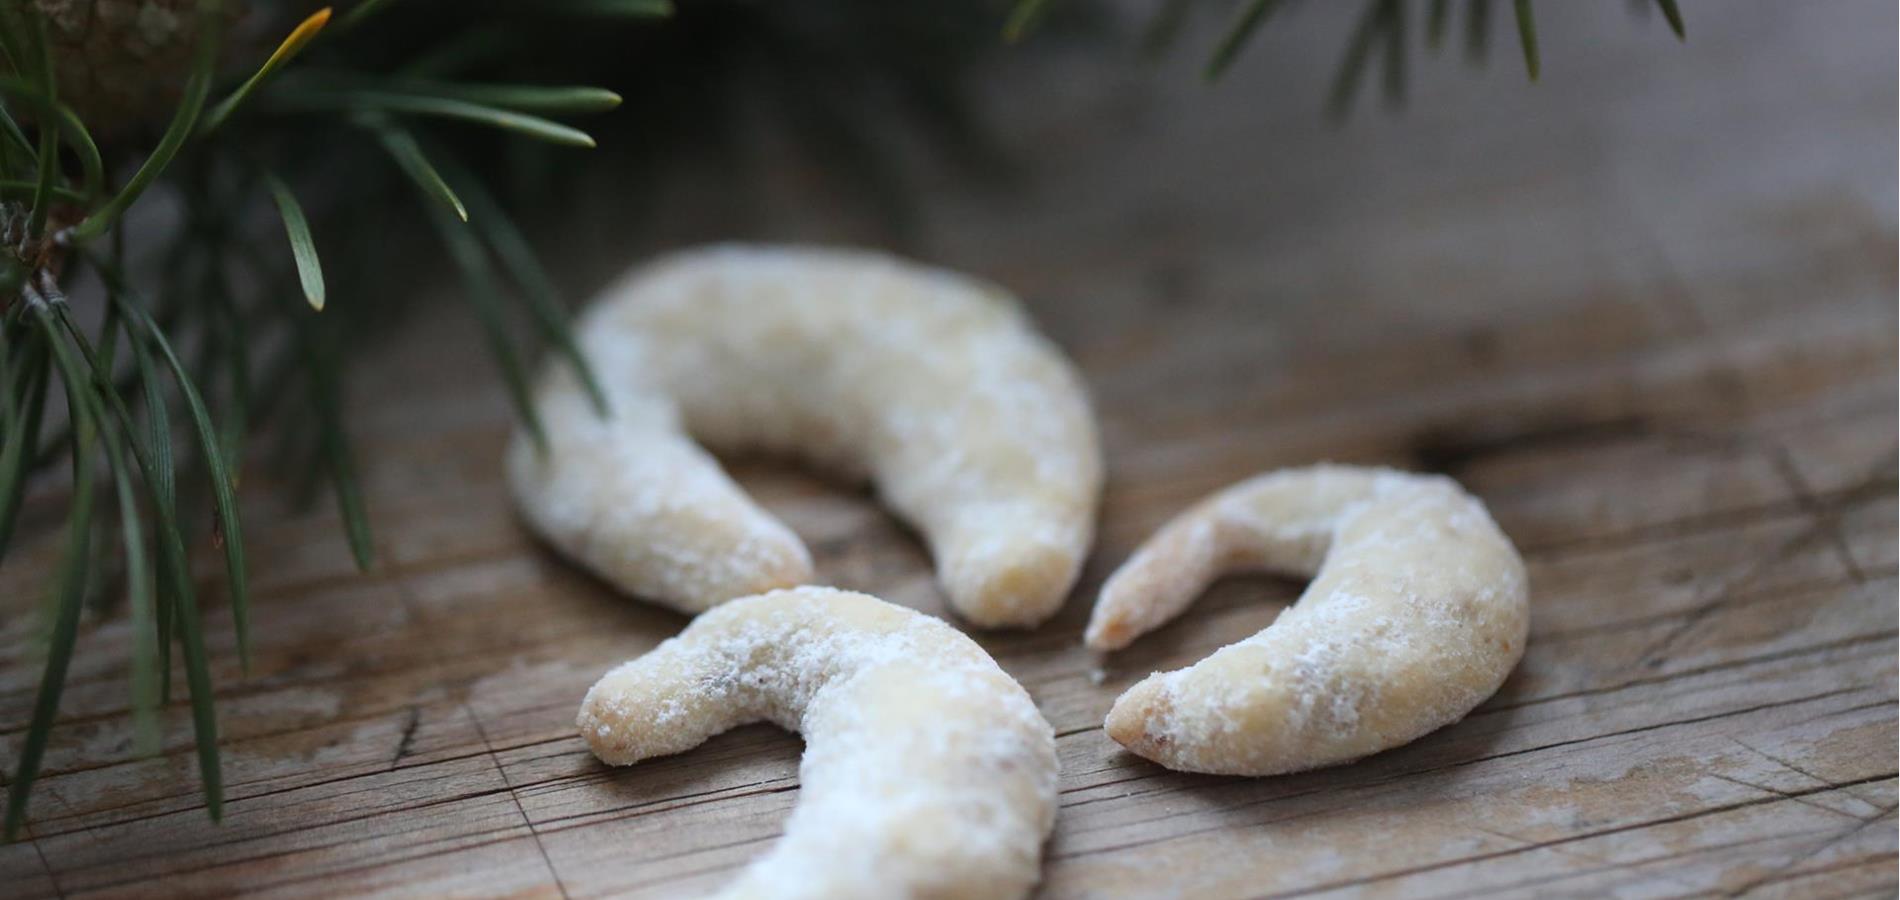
{"x": 92, "y": 166}
{"x": 223, "y": 495}
{"x": 303, "y": 247}
{"x": 1527, "y": 35}
{"x": 138, "y": 575}
{"x": 14, "y": 189}
{"x": 390, "y": 101}
{"x": 1440, "y": 18}
{"x": 1358, "y": 53}
{"x": 543, "y": 298}
{"x": 17, "y": 138}
{"x": 183, "y": 121}
{"x": 17, "y": 452}
{"x": 69, "y": 590}
{"x": 1394, "y": 13}
{"x": 409, "y": 157}
{"x": 49, "y": 137}
{"x": 1245, "y": 24}
{"x": 480, "y": 280}
{"x": 161, "y": 479}
{"x": 1477, "y": 31}
{"x": 177, "y": 602}
{"x": 1674, "y": 15}
{"x": 300, "y": 37}
{"x": 335, "y": 446}
{"x": 568, "y": 100}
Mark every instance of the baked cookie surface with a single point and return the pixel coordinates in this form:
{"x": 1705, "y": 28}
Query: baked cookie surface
{"x": 928, "y": 771}
{"x": 936, "y": 387}
{"x": 1417, "y": 610}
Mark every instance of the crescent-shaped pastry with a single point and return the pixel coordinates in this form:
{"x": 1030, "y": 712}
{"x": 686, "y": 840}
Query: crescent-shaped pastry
{"x": 928, "y": 771}
{"x": 973, "y": 427}
{"x": 1416, "y": 612}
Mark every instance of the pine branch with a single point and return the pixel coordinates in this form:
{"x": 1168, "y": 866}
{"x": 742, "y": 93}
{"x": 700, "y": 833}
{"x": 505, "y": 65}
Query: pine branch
{"x": 52, "y": 216}
{"x": 1381, "y": 22}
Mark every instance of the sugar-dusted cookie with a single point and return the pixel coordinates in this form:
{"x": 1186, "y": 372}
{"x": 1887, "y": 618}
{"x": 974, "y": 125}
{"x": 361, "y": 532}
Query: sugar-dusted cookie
{"x": 928, "y": 771}
{"x": 937, "y": 387}
{"x": 1416, "y": 612}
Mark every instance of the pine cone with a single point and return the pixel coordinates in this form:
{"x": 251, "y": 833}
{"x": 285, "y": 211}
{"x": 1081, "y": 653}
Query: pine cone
{"x": 123, "y": 63}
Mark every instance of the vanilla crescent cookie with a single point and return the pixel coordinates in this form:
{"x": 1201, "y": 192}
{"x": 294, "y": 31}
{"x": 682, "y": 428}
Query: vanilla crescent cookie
{"x": 928, "y": 771}
{"x": 973, "y": 427}
{"x": 1417, "y": 611}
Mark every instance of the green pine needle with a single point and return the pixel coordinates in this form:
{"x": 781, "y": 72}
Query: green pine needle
{"x": 161, "y": 479}
{"x": 1352, "y": 66}
{"x": 14, "y": 189}
{"x": 182, "y": 123}
{"x": 17, "y": 453}
{"x": 49, "y": 137}
{"x": 222, "y": 493}
{"x": 69, "y": 591}
{"x": 349, "y": 495}
{"x": 138, "y": 576}
{"x": 1527, "y": 35}
{"x": 1395, "y": 53}
{"x": 1440, "y": 18}
{"x": 391, "y": 101}
{"x": 557, "y": 100}
{"x": 13, "y": 35}
{"x": 17, "y": 144}
{"x": 485, "y": 299}
{"x": 177, "y": 602}
{"x": 335, "y": 446}
{"x": 303, "y": 247}
{"x": 537, "y": 287}
{"x": 1245, "y": 24}
{"x": 409, "y": 157}
{"x": 1674, "y": 15}
{"x": 92, "y": 166}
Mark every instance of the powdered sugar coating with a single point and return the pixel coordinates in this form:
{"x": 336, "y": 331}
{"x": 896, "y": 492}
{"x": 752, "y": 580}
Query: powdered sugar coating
{"x": 935, "y": 386}
{"x": 928, "y": 771}
{"x": 1417, "y": 611}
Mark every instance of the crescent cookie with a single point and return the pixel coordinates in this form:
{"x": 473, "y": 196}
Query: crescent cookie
{"x": 1417, "y": 611}
{"x": 928, "y": 771}
{"x": 973, "y": 427}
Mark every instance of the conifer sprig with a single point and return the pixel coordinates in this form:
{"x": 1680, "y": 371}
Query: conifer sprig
{"x": 63, "y": 214}
{"x": 1381, "y": 27}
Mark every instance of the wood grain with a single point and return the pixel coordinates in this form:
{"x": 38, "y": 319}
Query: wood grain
{"x": 1644, "y": 309}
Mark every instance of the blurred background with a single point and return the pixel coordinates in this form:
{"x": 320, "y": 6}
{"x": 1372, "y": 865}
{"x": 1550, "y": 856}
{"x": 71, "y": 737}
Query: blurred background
{"x": 1643, "y": 306}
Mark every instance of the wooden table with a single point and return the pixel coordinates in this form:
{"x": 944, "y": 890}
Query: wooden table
{"x": 1645, "y": 309}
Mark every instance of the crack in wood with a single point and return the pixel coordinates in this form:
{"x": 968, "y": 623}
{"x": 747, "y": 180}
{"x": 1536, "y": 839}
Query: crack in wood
{"x": 1823, "y": 524}
{"x": 1823, "y": 846}
{"x": 408, "y": 738}
{"x": 516, "y": 800}
{"x": 1567, "y": 839}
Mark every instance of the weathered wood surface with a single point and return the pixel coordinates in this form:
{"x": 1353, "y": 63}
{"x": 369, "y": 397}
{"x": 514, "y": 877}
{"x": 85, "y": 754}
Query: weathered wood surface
{"x": 1646, "y": 310}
